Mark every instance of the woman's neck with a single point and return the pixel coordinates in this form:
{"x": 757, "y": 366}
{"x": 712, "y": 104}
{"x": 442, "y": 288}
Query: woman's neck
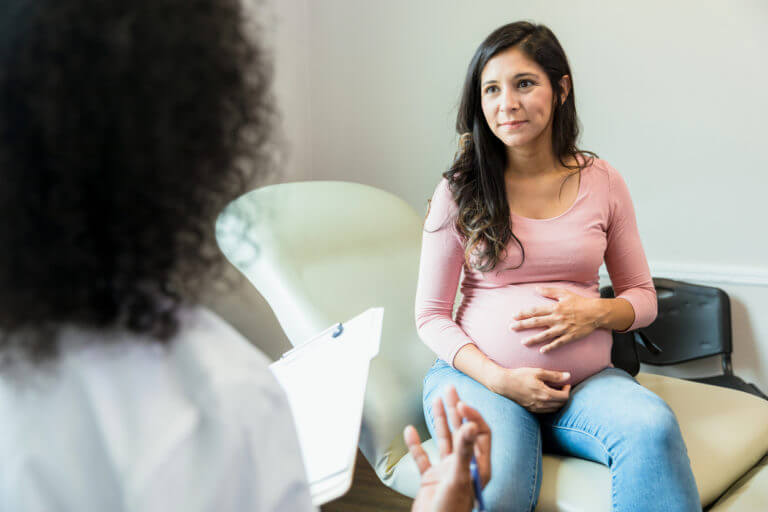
{"x": 531, "y": 162}
{"x": 534, "y": 165}
{"x": 534, "y": 159}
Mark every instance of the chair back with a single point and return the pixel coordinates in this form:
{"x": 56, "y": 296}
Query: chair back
{"x": 693, "y": 322}
{"x": 322, "y": 252}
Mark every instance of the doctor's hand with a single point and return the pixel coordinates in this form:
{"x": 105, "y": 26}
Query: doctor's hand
{"x": 570, "y": 318}
{"x": 447, "y": 486}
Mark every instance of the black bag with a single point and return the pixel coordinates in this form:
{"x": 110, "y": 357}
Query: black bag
{"x": 624, "y": 353}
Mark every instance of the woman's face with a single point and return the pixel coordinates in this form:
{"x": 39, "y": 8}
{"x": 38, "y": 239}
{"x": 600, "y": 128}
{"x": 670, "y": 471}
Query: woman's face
{"x": 517, "y": 99}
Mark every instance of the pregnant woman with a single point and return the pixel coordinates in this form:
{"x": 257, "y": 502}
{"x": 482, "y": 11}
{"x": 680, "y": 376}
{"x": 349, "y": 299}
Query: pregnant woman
{"x": 529, "y": 218}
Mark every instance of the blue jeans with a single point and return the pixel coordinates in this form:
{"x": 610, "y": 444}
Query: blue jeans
{"x": 609, "y": 418}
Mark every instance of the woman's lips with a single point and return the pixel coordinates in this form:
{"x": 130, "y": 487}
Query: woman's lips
{"x": 513, "y": 125}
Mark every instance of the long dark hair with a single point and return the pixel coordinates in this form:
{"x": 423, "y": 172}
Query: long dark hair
{"x": 476, "y": 177}
{"x": 125, "y": 127}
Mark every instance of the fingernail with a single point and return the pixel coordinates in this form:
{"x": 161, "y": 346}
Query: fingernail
{"x": 566, "y": 375}
{"x": 512, "y": 326}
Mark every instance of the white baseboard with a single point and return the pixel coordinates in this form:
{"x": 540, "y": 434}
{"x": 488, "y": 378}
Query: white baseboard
{"x": 707, "y": 273}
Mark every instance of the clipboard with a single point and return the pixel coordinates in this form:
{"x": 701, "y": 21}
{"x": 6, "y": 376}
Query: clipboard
{"x": 325, "y": 379}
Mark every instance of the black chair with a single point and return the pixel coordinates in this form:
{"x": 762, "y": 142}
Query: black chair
{"x": 694, "y": 322}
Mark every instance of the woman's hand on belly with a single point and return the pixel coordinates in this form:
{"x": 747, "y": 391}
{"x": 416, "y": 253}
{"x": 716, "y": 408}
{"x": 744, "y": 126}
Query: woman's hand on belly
{"x": 530, "y": 387}
{"x": 571, "y": 318}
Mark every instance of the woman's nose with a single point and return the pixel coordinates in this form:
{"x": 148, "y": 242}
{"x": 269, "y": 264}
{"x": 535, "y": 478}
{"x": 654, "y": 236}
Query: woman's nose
{"x": 509, "y": 101}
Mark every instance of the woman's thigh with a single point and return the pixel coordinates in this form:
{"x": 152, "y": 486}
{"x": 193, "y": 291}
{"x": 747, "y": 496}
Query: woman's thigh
{"x": 612, "y": 419}
{"x": 516, "y": 438}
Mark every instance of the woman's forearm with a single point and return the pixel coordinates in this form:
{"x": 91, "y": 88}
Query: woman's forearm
{"x": 471, "y": 361}
{"x": 615, "y": 314}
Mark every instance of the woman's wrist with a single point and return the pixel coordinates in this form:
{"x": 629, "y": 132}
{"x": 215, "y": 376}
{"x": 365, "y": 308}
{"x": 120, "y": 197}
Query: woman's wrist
{"x": 602, "y": 313}
{"x": 614, "y": 314}
{"x": 502, "y": 381}
{"x": 493, "y": 376}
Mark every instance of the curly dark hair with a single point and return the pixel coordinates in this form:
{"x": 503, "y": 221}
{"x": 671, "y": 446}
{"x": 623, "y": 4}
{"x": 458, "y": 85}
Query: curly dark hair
{"x": 125, "y": 127}
{"x": 476, "y": 177}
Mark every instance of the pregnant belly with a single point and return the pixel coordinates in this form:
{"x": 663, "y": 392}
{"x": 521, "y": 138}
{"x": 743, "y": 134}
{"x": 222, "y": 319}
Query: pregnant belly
{"x": 485, "y": 317}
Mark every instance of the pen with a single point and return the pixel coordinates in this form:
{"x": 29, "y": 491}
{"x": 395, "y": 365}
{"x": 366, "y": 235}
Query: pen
{"x": 334, "y": 330}
{"x": 476, "y": 485}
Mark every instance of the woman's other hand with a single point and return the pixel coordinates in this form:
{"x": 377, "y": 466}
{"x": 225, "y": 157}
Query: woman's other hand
{"x": 533, "y": 388}
{"x": 570, "y": 318}
{"x": 447, "y": 486}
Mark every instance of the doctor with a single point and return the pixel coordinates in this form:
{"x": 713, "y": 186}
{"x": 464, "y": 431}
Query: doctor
{"x": 125, "y": 127}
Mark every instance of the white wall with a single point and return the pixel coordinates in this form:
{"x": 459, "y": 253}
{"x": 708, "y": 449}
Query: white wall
{"x": 671, "y": 93}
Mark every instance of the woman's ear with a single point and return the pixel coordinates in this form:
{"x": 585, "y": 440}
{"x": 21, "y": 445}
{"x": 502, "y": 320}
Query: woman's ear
{"x": 565, "y": 87}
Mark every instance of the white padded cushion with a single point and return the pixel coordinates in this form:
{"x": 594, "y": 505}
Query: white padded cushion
{"x": 726, "y": 433}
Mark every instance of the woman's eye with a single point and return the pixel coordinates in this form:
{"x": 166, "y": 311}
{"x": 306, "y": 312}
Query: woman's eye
{"x": 525, "y": 81}
{"x": 491, "y": 89}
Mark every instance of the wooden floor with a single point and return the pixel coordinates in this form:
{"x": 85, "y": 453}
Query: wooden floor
{"x": 368, "y": 494}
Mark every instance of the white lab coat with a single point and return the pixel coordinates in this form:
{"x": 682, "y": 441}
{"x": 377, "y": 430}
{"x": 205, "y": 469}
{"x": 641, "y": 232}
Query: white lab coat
{"x": 120, "y": 423}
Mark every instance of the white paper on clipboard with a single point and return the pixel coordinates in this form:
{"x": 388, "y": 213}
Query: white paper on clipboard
{"x": 324, "y": 379}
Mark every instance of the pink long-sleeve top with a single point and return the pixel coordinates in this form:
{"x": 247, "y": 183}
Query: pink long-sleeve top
{"x": 564, "y": 251}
